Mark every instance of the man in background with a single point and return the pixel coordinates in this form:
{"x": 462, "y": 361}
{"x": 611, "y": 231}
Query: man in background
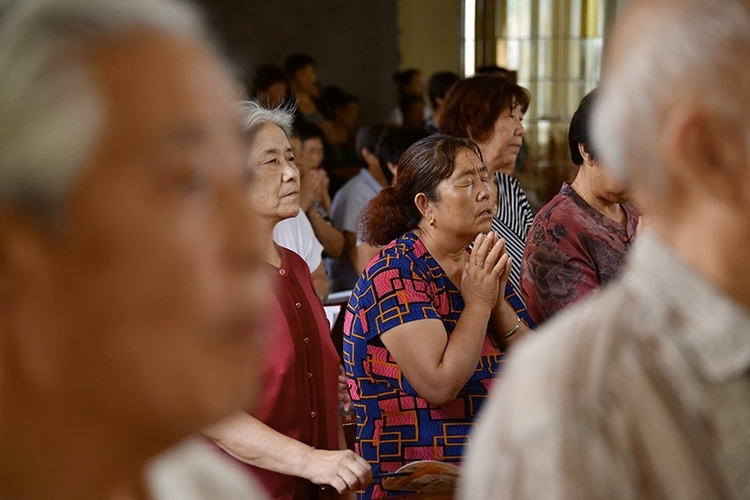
{"x": 643, "y": 390}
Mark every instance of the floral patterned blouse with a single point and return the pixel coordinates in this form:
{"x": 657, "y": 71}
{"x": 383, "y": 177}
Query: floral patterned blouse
{"x": 572, "y": 250}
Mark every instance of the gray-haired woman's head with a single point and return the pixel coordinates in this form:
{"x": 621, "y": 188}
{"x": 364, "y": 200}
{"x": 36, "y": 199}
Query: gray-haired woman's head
{"x": 254, "y": 115}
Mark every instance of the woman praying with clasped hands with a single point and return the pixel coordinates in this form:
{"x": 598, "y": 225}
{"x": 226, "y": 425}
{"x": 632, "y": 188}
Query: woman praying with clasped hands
{"x": 427, "y": 323}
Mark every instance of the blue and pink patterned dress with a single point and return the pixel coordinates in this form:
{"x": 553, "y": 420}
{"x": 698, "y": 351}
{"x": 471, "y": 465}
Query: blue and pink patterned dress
{"x": 394, "y": 425}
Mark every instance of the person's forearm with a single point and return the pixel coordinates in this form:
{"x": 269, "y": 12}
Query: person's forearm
{"x": 251, "y": 441}
{"x": 461, "y": 355}
{"x": 320, "y": 280}
{"x": 350, "y": 249}
{"x": 504, "y": 320}
{"x": 329, "y": 236}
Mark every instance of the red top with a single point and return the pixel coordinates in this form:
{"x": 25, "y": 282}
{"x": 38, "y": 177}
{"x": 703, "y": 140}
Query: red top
{"x": 300, "y": 397}
{"x": 572, "y": 250}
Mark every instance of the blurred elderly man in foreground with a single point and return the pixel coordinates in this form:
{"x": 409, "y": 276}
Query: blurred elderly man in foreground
{"x": 131, "y": 285}
{"x": 643, "y": 391}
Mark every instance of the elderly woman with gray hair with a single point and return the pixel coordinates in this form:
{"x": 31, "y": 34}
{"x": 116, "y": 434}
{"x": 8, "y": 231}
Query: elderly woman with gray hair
{"x": 294, "y": 441}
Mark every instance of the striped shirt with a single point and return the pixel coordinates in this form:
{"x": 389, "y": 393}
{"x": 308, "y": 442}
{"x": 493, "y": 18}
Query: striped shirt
{"x": 641, "y": 391}
{"x": 512, "y": 222}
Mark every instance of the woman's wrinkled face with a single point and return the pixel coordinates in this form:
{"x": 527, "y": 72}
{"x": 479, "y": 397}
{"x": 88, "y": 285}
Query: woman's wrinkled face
{"x": 463, "y": 207}
{"x": 275, "y": 187}
{"x": 501, "y": 148}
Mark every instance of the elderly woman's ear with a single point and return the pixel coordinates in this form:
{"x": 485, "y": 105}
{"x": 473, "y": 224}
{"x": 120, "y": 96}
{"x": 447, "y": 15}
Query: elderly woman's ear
{"x": 585, "y": 154}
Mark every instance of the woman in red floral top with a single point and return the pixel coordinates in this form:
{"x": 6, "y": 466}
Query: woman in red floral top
{"x": 577, "y": 241}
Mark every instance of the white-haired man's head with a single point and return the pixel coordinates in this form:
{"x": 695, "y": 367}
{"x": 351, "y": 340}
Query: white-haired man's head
{"x": 49, "y": 102}
{"x": 664, "y": 54}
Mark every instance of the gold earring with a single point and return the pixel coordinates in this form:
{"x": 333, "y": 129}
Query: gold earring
{"x": 432, "y": 221}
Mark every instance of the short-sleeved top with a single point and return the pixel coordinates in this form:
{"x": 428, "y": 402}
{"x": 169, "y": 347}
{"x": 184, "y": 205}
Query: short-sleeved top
{"x": 394, "y": 424}
{"x": 297, "y": 234}
{"x": 300, "y": 391}
{"x": 347, "y": 204}
{"x": 512, "y": 222}
{"x": 572, "y": 250}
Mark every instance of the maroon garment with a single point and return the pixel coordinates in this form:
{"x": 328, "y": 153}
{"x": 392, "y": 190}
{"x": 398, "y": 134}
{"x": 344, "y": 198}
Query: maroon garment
{"x": 300, "y": 397}
{"x": 572, "y": 249}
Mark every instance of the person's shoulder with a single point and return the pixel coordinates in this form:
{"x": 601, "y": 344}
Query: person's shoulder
{"x": 193, "y": 470}
{"x": 560, "y": 210}
{"x": 345, "y": 191}
{"x": 352, "y": 184}
{"x": 400, "y": 254}
{"x": 293, "y": 260}
{"x": 349, "y": 194}
{"x": 571, "y": 357}
{"x": 293, "y": 227}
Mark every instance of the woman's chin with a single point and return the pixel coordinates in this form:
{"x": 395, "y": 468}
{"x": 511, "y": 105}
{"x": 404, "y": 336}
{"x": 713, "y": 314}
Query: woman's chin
{"x": 483, "y": 225}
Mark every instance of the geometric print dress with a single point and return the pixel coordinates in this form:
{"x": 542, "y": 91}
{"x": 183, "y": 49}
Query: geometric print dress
{"x": 394, "y": 425}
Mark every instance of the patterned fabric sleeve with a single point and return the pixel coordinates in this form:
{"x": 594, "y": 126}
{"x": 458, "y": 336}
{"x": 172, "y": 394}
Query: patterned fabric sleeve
{"x": 397, "y": 294}
{"x": 557, "y": 270}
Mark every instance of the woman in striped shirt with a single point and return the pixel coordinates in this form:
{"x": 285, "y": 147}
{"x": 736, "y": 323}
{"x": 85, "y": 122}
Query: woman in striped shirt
{"x": 488, "y": 109}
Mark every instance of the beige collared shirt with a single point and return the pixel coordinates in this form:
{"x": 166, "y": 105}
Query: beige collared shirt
{"x": 642, "y": 391}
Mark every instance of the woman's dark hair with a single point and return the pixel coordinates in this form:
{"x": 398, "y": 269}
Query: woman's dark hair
{"x": 493, "y": 69}
{"x": 393, "y": 144}
{"x": 334, "y": 98}
{"x": 265, "y": 76}
{"x": 473, "y": 105}
{"x": 578, "y": 133}
{"x": 439, "y": 85}
{"x": 421, "y": 169}
{"x": 296, "y": 62}
{"x": 305, "y": 131}
{"x": 367, "y": 138}
{"x": 404, "y": 78}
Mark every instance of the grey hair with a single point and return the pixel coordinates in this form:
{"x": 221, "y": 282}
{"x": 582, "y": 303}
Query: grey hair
{"x": 50, "y": 109}
{"x": 254, "y": 115}
{"x": 683, "y": 51}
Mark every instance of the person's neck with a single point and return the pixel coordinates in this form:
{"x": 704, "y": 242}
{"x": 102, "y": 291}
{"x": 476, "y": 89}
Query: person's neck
{"x": 610, "y": 209}
{"x": 437, "y": 115}
{"x": 54, "y": 452}
{"x": 711, "y": 240}
{"x": 377, "y": 173}
{"x": 448, "y": 251}
{"x": 271, "y": 252}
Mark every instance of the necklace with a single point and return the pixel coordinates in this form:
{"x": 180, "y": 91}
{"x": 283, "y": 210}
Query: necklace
{"x": 621, "y": 211}
{"x": 580, "y": 193}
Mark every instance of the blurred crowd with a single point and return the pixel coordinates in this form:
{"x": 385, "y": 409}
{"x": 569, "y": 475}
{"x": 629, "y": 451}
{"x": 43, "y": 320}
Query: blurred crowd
{"x": 168, "y": 247}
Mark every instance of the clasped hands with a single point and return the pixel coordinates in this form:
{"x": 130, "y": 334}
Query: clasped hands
{"x": 486, "y": 270}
